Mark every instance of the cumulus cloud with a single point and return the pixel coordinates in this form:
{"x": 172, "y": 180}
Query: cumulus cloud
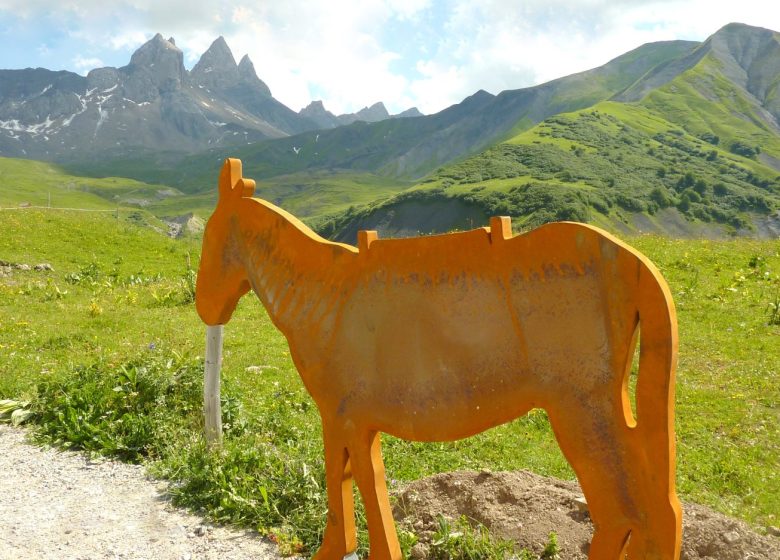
{"x": 84, "y": 65}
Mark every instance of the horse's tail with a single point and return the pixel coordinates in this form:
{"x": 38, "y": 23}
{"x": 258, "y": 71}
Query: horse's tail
{"x": 655, "y": 400}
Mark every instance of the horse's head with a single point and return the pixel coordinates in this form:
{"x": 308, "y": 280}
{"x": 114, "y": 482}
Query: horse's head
{"x": 222, "y": 278}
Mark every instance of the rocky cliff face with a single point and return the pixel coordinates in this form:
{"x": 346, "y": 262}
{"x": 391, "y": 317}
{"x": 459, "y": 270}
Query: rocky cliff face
{"x": 750, "y": 58}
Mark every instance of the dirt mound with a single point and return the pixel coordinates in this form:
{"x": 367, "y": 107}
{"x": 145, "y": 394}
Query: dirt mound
{"x": 526, "y": 508}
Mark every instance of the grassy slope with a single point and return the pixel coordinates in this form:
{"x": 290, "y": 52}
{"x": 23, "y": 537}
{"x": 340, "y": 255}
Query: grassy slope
{"x": 308, "y": 195}
{"x": 727, "y": 397}
{"x": 46, "y": 320}
{"x": 357, "y": 148}
{"x": 602, "y": 165}
{"x": 619, "y": 77}
{"x": 39, "y": 184}
{"x": 702, "y": 100}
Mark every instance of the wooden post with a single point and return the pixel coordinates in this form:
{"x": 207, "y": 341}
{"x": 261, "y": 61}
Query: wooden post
{"x": 211, "y": 406}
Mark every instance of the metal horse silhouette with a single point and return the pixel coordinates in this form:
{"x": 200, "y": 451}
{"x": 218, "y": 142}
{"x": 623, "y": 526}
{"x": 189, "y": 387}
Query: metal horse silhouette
{"x": 441, "y": 337}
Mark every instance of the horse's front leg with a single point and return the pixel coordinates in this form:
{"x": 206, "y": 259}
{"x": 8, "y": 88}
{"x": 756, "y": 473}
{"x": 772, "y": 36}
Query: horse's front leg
{"x": 340, "y": 535}
{"x": 369, "y": 472}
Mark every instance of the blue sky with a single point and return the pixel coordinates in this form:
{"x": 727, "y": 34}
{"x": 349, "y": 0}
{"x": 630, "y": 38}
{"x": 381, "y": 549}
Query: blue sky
{"x": 424, "y": 53}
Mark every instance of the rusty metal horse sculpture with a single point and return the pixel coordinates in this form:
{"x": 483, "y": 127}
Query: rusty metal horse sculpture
{"x": 441, "y": 337}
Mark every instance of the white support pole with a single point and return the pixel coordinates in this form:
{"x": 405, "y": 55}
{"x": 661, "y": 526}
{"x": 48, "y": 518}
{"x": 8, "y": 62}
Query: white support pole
{"x": 211, "y": 407}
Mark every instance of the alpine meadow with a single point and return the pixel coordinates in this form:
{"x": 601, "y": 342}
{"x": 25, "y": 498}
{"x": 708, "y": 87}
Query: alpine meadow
{"x": 106, "y": 181}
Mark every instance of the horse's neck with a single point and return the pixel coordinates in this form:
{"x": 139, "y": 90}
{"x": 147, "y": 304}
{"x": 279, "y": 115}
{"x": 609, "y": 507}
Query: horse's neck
{"x": 286, "y": 266}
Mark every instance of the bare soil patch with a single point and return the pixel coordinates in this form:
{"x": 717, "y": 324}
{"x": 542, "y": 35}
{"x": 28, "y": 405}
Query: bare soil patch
{"x": 526, "y": 508}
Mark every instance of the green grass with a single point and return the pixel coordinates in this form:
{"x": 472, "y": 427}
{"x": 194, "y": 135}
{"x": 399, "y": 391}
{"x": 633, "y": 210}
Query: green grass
{"x": 309, "y": 195}
{"x": 109, "y": 336}
{"x": 314, "y": 195}
{"x": 44, "y": 184}
{"x": 462, "y": 541}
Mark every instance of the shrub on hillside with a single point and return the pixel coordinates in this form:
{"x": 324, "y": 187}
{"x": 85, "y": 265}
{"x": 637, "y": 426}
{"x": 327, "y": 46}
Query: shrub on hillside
{"x": 742, "y": 149}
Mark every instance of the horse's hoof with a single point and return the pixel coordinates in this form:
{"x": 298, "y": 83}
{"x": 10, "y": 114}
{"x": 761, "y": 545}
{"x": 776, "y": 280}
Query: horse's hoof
{"x": 330, "y": 552}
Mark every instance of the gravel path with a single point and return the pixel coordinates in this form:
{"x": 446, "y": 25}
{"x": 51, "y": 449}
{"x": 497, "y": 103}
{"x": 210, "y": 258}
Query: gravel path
{"x": 63, "y": 506}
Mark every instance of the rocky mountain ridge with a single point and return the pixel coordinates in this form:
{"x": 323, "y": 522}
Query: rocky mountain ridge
{"x": 411, "y": 148}
{"x": 375, "y": 113}
{"x": 152, "y": 104}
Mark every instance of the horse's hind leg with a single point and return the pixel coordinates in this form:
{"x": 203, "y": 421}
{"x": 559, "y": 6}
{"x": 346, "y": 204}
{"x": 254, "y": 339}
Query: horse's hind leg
{"x": 658, "y": 535}
{"x": 369, "y": 472}
{"x": 593, "y": 443}
{"x": 340, "y": 535}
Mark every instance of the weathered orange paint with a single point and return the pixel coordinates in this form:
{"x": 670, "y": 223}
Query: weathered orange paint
{"x": 441, "y": 337}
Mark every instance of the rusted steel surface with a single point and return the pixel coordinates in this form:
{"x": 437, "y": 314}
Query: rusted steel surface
{"x": 441, "y": 337}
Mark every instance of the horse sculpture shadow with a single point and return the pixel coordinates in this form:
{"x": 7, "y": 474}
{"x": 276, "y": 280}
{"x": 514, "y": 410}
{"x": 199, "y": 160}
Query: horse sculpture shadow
{"x": 441, "y": 337}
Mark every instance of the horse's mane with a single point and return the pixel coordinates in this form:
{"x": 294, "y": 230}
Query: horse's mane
{"x": 296, "y": 223}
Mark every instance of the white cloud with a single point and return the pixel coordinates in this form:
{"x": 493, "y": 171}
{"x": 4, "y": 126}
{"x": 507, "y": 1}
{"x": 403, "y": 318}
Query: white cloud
{"x": 127, "y": 40}
{"x": 84, "y": 65}
{"x": 407, "y": 9}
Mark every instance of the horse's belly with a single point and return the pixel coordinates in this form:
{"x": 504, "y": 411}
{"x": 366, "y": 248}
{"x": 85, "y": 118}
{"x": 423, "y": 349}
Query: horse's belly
{"x": 453, "y": 414}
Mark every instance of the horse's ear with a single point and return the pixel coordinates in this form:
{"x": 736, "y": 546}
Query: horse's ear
{"x": 247, "y": 187}
{"x": 229, "y": 178}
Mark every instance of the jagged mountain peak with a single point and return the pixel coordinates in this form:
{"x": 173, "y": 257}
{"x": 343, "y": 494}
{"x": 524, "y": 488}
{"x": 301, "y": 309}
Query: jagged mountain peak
{"x": 153, "y": 50}
{"x": 246, "y": 62}
{"x": 411, "y": 112}
{"x": 158, "y": 64}
{"x": 317, "y": 113}
{"x": 316, "y": 104}
{"x": 375, "y": 112}
{"x": 246, "y": 71}
{"x": 315, "y": 107}
{"x": 217, "y": 56}
{"x": 216, "y": 68}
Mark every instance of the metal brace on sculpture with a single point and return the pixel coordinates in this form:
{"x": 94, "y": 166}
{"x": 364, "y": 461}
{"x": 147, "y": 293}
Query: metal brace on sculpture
{"x": 438, "y": 338}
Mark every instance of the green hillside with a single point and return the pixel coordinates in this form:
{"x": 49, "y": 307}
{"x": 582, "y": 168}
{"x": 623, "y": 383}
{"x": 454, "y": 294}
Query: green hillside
{"x": 309, "y": 195}
{"x": 619, "y": 165}
{"x": 688, "y": 145}
{"x": 35, "y": 183}
{"x": 692, "y": 148}
{"x": 732, "y": 122}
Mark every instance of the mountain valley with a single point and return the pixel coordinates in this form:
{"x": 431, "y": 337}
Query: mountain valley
{"x": 676, "y": 137}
